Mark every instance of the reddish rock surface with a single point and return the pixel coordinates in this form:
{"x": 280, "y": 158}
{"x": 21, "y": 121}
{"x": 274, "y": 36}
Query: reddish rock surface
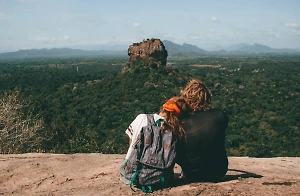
{"x": 97, "y": 174}
{"x": 150, "y": 52}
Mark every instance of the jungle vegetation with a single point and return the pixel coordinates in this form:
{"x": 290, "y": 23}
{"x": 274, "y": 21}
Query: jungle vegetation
{"x": 85, "y": 104}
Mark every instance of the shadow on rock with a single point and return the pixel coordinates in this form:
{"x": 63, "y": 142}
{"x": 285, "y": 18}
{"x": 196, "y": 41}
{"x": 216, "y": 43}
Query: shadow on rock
{"x": 232, "y": 174}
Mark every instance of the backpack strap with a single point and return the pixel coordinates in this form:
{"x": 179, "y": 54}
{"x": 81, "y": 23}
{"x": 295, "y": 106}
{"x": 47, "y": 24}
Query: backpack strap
{"x": 134, "y": 177}
{"x": 150, "y": 119}
{"x": 149, "y": 189}
{"x": 158, "y": 122}
{"x": 162, "y": 182}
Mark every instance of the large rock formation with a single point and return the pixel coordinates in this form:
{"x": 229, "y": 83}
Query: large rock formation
{"x": 150, "y": 52}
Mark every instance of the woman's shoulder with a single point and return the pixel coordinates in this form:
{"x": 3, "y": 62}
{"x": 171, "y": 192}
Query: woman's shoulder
{"x": 218, "y": 111}
{"x": 144, "y": 116}
{"x": 212, "y": 113}
{"x": 221, "y": 113}
{"x": 141, "y": 116}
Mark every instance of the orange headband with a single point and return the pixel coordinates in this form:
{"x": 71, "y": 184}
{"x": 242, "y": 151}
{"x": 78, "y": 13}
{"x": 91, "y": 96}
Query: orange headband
{"x": 171, "y": 106}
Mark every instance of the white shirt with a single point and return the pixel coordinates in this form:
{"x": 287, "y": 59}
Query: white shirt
{"x": 134, "y": 129}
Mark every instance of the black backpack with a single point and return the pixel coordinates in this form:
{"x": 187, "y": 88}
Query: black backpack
{"x": 150, "y": 165}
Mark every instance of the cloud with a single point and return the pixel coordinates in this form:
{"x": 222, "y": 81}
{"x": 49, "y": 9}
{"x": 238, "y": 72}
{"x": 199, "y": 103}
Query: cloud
{"x": 292, "y": 25}
{"x": 61, "y": 39}
{"x": 195, "y": 37}
{"x": 66, "y": 38}
{"x": 295, "y": 28}
{"x": 53, "y": 40}
{"x": 168, "y": 35}
{"x": 277, "y": 35}
{"x": 28, "y": 1}
{"x": 214, "y": 19}
{"x": 40, "y": 38}
{"x": 3, "y": 16}
{"x": 136, "y": 24}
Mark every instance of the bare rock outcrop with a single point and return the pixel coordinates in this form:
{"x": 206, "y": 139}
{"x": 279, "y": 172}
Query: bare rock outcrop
{"x": 150, "y": 52}
{"x": 98, "y": 174}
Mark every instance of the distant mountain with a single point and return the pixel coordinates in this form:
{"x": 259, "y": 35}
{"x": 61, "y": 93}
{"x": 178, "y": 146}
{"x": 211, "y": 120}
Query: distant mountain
{"x": 184, "y": 49}
{"x": 259, "y": 48}
{"x": 243, "y": 48}
{"x": 256, "y": 48}
{"x": 216, "y": 48}
{"x": 59, "y": 52}
{"x": 172, "y": 48}
{"x": 236, "y": 47}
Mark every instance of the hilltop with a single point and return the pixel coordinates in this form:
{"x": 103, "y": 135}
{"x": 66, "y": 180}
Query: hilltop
{"x": 97, "y": 174}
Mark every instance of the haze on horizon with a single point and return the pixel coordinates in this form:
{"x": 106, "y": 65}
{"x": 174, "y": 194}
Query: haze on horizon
{"x": 28, "y": 24}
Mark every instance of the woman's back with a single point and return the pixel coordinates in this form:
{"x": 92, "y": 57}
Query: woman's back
{"x": 203, "y": 153}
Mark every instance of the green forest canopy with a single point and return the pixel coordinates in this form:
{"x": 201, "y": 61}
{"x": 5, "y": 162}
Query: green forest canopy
{"x": 87, "y": 103}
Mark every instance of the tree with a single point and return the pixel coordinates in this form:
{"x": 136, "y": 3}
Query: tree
{"x": 17, "y": 126}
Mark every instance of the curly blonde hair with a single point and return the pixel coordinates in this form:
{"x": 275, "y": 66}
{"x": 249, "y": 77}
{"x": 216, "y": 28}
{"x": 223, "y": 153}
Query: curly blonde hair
{"x": 197, "y": 96}
{"x": 173, "y": 120}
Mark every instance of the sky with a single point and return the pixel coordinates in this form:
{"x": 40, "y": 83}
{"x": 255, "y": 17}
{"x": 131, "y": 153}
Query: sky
{"x": 35, "y": 24}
